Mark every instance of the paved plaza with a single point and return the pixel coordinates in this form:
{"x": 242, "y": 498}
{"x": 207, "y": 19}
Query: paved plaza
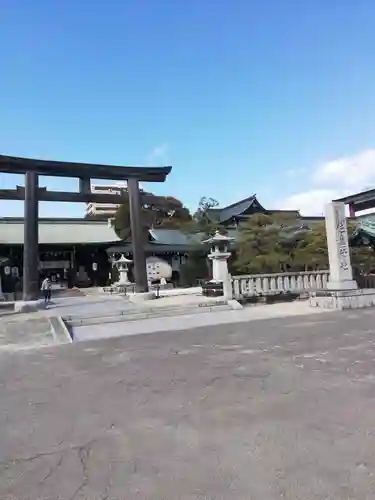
{"x": 97, "y": 317}
{"x": 279, "y": 408}
{"x": 16, "y": 333}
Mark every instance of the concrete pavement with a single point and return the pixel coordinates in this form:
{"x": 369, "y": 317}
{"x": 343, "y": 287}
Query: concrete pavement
{"x": 96, "y": 317}
{"x": 203, "y": 319}
{"x": 278, "y": 408}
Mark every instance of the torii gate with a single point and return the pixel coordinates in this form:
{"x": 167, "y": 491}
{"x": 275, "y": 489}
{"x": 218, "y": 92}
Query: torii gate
{"x": 360, "y": 201}
{"x": 32, "y": 194}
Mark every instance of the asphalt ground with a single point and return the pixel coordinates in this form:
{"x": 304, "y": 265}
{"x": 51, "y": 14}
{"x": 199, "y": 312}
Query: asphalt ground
{"x": 277, "y": 408}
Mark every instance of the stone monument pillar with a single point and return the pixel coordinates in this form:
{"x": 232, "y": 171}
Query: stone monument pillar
{"x": 341, "y": 276}
{"x": 342, "y": 291}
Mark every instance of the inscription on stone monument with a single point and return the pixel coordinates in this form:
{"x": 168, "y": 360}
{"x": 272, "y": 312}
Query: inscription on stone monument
{"x": 341, "y": 276}
{"x": 342, "y": 240}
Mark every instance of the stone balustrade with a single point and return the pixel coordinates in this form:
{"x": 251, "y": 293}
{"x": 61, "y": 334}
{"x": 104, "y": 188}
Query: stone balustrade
{"x": 263, "y": 284}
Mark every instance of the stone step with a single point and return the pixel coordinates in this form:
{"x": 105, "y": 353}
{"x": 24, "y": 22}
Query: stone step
{"x": 133, "y": 315}
{"x": 60, "y": 331}
{"x": 128, "y": 308}
{"x": 7, "y": 305}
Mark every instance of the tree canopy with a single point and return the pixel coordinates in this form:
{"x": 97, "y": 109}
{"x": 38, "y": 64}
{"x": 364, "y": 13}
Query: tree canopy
{"x": 310, "y": 251}
{"x": 203, "y": 220}
{"x": 263, "y": 245}
{"x": 266, "y": 242}
{"x": 267, "y": 245}
{"x": 167, "y": 213}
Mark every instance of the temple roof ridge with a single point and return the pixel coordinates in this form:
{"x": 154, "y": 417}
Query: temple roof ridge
{"x": 235, "y": 209}
{"x": 248, "y": 199}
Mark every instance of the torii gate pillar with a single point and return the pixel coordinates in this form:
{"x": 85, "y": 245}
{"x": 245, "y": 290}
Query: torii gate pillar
{"x": 30, "y": 247}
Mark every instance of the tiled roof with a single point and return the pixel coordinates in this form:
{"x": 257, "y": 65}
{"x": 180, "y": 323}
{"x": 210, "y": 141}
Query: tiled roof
{"x": 59, "y": 231}
{"x": 236, "y": 209}
{"x": 86, "y": 231}
{"x": 151, "y": 247}
{"x": 291, "y": 213}
{"x": 367, "y": 224}
{"x": 174, "y": 237}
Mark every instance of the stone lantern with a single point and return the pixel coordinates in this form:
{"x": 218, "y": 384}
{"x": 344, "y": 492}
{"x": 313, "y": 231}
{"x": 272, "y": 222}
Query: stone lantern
{"x": 219, "y": 254}
{"x": 122, "y": 265}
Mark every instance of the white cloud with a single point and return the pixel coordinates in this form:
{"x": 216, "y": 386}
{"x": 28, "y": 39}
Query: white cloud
{"x": 159, "y": 154}
{"x": 352, "y": 172}
{"x": 309, "y": 202}
{"x": 334, "y": 179}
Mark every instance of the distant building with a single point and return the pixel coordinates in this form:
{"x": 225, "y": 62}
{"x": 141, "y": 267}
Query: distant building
{"x": 233, "y": 215}
{"x": 105, "y": 209}
{"x": 80, "y": 251}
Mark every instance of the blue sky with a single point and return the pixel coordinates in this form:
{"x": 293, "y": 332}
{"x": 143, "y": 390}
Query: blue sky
{"x": 238, "y": 96}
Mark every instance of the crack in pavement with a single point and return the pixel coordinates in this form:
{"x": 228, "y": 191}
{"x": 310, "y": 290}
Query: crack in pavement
{"x": 108, "y": 486}
{"x": 53, "y": 469}
{"x": 83, "y": 455}
{"x": 83, "y": 452}
{"x": 5, "y": 464}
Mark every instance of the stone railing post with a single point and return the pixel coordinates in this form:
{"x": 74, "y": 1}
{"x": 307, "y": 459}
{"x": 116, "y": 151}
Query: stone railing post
{"x": 227, "y": 288}
{"x": 266, "y": 284}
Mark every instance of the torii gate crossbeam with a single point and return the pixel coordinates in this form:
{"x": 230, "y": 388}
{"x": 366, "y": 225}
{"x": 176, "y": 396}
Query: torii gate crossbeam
{"x": 32, "y": 168}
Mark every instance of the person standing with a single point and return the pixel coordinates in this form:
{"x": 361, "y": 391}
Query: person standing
{"x": 47, "y": 290}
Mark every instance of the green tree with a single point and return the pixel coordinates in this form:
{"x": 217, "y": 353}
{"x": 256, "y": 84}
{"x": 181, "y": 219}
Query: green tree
{"x": 170, "y": 213}
{"x": 204, "y": 220}
{"x": 263, "y": 245}
{"x": 310, "y": 251}
{"x": 204, "y": 224}
{"x": 121, "y": 221}
{"x": 205, "y": 205}
{"x": 167, "y": 212}
{"x": 363, "y": 259}
{"x": 194, "y": 269}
